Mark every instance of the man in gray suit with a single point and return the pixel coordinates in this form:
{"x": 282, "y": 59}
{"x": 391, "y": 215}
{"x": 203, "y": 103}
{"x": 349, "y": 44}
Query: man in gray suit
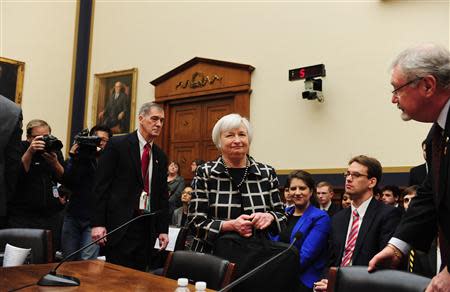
{"x": 10, "y": 136}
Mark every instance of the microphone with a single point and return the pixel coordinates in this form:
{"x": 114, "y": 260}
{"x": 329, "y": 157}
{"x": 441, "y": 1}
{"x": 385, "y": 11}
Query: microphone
{"x": 297, "y": 236}
{"x": 54, "y": 279}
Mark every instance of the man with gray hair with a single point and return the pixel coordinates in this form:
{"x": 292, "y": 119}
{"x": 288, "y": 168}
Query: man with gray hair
{"x": 131, "y": 180}
{"x": 420, "y": 78}
{"x": 10, "y": 136}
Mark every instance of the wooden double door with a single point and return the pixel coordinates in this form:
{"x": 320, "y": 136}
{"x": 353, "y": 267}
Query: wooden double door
{"x": 191, "y": 124}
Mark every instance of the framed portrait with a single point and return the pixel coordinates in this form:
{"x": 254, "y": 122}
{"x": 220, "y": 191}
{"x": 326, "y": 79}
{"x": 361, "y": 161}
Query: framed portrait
{"x": 114, "y": 103}
{"x": 11, "y": 79}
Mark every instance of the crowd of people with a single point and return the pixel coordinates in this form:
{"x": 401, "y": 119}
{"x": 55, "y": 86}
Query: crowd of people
{"x": 128, "y": 178}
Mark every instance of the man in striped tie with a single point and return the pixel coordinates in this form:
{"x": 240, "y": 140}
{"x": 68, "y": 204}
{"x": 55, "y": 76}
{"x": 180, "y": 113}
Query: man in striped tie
{"x": 359, "y": 232}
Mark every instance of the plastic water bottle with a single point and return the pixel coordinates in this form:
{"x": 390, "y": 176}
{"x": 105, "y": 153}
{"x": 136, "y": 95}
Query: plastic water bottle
{"x": 200, "y": 286}
{"x": 182, "y": 285}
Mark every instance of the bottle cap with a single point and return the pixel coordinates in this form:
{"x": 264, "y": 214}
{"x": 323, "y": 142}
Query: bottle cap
{"x": 182, "y": 282}
{"x": 200, "y": 285}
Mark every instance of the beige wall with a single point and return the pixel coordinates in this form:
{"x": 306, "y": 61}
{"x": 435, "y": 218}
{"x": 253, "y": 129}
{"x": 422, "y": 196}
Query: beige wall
{"x": 41, "y": 34}
{"x": 355, "y": 40}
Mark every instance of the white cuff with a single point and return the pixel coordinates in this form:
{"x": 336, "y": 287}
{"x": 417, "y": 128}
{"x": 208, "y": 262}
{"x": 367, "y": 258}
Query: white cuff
{"x": 404, "y": 247}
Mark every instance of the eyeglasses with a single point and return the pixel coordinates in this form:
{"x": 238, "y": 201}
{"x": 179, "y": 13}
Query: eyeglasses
{"x": 354, "y": 174}
{"x": 397, "y": 90}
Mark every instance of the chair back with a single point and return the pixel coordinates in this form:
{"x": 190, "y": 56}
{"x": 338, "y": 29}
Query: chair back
{"x": 216, "y": 272}
{"x": 356, "y": 278}
{"x": 39, "y": 240}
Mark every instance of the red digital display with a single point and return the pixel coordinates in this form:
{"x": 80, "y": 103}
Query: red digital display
{"x": 307, "y": 72}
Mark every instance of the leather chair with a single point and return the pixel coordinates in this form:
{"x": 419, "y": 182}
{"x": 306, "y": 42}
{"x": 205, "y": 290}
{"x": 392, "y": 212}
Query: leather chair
{"x": 39, "y": 240}
{"x": 216, "y": 272}
{"x": 356, "y": 278}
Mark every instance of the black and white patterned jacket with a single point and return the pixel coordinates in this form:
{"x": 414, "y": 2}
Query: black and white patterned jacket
{"x": 215, "y": 200}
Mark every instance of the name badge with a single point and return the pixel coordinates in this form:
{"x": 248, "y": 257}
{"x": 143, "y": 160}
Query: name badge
{"x": 144, "y": 202}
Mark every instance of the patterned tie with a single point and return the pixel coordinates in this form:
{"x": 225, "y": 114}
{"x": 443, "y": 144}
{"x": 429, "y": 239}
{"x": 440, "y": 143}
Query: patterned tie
{"x": 436, "y": 153}
{"x": 351, "y": 240}
{"x": 145, "y": 160}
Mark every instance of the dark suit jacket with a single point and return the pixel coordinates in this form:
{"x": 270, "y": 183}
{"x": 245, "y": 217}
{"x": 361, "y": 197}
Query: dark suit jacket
{"x": 118, "y": 186}
{"x": 424, "y": 263}
{"x": 378, "y": 225}
{"x": 417, "y": 175}
{"x": 10, "y": 146}
{"x": 334, "y": 208}
{"x": 429, "y": 209}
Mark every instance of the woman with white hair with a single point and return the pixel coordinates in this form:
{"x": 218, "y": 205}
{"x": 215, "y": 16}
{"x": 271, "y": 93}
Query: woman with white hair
{"x": 233, "y": 193}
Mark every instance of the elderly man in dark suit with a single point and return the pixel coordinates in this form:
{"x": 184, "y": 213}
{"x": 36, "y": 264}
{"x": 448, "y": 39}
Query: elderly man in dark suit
{"x": 133, "y": 170}
{"x": 421, "y": 81}
{"x": 10, "y": 136}
{"x": 359, "y": 232}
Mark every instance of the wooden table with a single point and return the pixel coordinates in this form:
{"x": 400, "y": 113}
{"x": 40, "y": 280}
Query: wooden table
{"x": 94, "y": 275}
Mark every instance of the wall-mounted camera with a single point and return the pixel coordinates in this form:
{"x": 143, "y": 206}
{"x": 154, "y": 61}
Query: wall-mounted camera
{"x": 313, "y": 89}
{"x": 313, "y": 86}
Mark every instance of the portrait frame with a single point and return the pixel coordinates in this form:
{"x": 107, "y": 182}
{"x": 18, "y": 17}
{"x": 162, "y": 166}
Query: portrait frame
{"x": 106, "y": 100}
{"x": 11, "y": 79}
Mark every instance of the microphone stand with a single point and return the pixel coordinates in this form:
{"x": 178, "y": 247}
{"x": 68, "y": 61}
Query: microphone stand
{"x": 244, "y": 277}
{"x": 54, "y": 279}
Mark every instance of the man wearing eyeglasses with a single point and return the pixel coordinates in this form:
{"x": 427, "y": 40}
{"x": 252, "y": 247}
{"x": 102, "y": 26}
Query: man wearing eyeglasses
{"x": 421, "y": 81}
{"x": 359, "y": 232}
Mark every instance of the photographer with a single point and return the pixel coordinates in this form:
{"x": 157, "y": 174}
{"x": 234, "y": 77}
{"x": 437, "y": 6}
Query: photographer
{"x": 79, "y": 179}
{"x": 36, "y": 202}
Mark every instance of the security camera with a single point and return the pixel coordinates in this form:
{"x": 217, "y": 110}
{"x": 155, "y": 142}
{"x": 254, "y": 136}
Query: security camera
{"x": 313, "y": 89}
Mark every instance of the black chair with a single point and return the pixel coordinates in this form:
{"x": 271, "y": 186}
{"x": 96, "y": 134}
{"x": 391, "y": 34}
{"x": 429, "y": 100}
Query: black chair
{"x": 216, "y": 272}
{"x": 356, "y": 278}
{"x": 39, "y": 240}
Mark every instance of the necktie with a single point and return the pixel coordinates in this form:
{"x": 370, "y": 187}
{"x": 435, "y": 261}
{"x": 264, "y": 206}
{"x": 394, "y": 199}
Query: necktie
{"x": 145, "y": 160}
{"x": 438, "y": 143}
{"x": 436, "y": 153}
{"x": 351, "y": 240}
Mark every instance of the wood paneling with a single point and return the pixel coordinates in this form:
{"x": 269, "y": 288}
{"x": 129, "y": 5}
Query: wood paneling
{"x": 195, "y": 95}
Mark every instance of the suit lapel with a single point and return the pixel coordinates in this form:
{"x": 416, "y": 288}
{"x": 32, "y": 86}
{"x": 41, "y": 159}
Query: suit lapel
{"x": 135, "y": 155}
{"x": 300, "y": 223}
{"x": 366, "y": 224}
{"x": 155, "y": 159}
{"x": 443, "y": 169}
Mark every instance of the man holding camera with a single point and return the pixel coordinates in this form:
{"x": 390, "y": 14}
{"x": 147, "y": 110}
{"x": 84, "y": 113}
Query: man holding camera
{"x": 79, "y": 179}
{"x": 36, "y": 202}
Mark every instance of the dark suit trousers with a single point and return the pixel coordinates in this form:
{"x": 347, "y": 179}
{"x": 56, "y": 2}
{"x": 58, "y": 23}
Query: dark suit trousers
{"x": 133, "y": 250}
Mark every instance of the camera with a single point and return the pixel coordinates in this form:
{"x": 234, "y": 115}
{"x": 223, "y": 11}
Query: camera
{"x": 87, "y": 144}
{"x": 52, "y": 144}
{"x": 313, "y": 89}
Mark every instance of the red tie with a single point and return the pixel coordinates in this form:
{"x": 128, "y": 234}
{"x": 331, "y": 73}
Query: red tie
{"x": 145, "y": 160}
{"x": 351, "y": 240}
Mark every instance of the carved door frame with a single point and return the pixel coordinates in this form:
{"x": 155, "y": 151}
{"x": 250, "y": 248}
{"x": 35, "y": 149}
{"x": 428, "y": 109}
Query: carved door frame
{"x": 202, "y": 79}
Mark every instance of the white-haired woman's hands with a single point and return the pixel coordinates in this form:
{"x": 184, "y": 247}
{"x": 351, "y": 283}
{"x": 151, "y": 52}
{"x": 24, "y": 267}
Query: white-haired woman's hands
{"x": 261, "y": 220}
{"x": 242, "y": 225}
